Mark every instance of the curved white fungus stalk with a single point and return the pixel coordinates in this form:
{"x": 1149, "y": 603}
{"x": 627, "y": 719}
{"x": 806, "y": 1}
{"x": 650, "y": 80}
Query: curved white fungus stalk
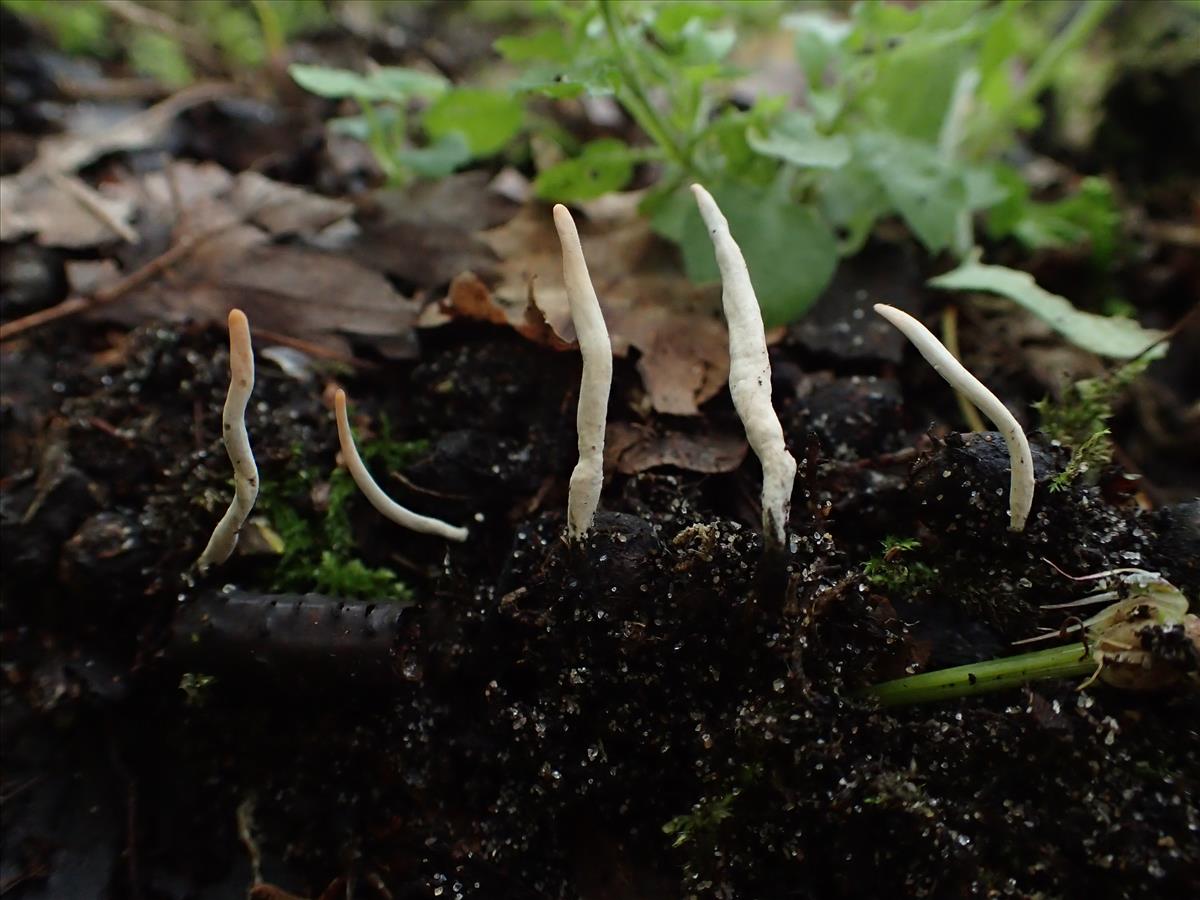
{"x": 750, "y": 372}
{"x": 588, "y": 476}
{"x": 237, "y": 444}
{"x": 384, "y": 504}
{"x": 1020, "y": 491}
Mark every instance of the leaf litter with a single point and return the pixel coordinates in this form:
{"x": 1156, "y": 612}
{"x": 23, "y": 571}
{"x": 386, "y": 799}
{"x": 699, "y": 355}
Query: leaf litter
{"x": 648, "y": 306}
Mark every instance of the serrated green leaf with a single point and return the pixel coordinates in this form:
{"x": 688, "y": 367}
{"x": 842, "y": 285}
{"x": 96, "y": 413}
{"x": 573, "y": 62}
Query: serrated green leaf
{"x": 793, "y": 138}
{"x": 438, "y": 159}
{"x": 1114, "y": 337}
{"x": 790, "y": 251}
{"x": 487, "y": 120}
{"x": 929, "y": 193}
{"x": 604, "y": 165}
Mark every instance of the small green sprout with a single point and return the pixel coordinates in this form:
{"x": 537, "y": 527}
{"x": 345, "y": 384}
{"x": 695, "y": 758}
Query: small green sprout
{"x": 888, "y": 570}
{"x": 1118, "y": 648}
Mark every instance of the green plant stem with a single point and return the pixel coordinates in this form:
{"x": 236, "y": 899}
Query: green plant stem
{"x": 638, "y": 103}
{"x": 272, "y": 30}
{"x": 1069, "y": 661}
{"x": 1089, "y": 15}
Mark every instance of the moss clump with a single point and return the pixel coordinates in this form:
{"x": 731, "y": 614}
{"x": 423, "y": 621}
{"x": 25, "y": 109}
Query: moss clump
{"x": 1079, "y": 420}
{"x": 893, "y": 571}
{"x": 319, "y": 550}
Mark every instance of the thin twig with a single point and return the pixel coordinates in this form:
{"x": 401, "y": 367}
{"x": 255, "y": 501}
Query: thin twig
{"x": 115, "y": 291}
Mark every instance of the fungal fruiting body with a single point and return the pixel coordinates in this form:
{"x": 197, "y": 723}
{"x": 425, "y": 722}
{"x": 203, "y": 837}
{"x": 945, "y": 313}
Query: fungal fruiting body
{"x": 750, "y": 372}
{"x": 384, "y": 504}
{"x": 1020, "y": 492}
{"x": 237, "y": 444}
{"x": 592, "y": 413}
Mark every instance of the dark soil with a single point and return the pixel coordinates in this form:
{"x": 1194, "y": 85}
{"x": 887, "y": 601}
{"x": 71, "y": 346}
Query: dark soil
{"x": 532, "y": 723}
{"x": 662, "y": 712}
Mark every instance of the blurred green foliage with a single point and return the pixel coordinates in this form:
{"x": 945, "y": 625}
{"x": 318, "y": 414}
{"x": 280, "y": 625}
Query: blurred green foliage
{"x": 909, "y": 112}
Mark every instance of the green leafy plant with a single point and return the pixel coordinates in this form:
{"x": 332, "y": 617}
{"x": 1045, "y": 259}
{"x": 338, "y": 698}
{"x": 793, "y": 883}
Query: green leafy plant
{"x": 167, "y": 40}
{"x": 1112, "y": 336}
{"x": 703, "y": 819}
{"x": 802, "y": 186}
{"x": 459, "y": 124}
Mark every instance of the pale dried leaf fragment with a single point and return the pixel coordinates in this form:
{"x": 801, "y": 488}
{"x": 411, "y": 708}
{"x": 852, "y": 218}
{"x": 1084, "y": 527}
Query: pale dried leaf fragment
{"x": 237, "y": 444}
{"x": 750, "y": 373}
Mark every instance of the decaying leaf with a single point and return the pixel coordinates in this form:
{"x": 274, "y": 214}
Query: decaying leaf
{"x": 46, "y": 208}
{"x": 294, "y": 289}
{"x": 630, "y": 449}
{"x": 427, "y": 234}
{"x": 46, "y": 200}
{"x": 469, "y": 298}
{"x": 648, "y": 306}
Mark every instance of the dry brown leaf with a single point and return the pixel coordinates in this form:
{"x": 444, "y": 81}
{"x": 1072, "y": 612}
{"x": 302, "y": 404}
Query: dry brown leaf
{"x": 648, "y": 304}
{"x": 44, "y": 207}
{"x": 300, "y": 292}
{"x": 68, "y": 152}
{"x": 469, "y": 298}
{"x": 632, "y": 448}
{"x": 427, "y": 234}
{"x": 283, "y": 209}
{"x": 297, "y": 291}
{"x": 46, "y": 200}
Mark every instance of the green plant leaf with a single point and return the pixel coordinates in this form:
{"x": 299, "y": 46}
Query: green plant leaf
{"x": 1089, "y": 215}
{"x": 487, "y": 120}
{"x": 793, "y": 138}
{"x": 159, "y": 56}
{"x": 399, "y": 84}
{"x": 790, "y": 251}
{"x": 329, "y": 82}
{"x": 1118, "y": 338}
{"x": 672, "y": 18}
{"x": 389, "y": 83}
{"x": 927, "y": 191}
{"x": 604, "y": 165}
{"x": 546, "y": 44}
{"x": 438, "y": 159}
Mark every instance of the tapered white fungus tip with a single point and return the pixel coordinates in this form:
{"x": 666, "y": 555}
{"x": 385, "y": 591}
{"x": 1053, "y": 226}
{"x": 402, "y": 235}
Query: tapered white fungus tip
{"x": 587, "y": 478}
{"x": 384, "y": 505}
{"x": 1021, "y": 484}
{"x": 750, "y": 372}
